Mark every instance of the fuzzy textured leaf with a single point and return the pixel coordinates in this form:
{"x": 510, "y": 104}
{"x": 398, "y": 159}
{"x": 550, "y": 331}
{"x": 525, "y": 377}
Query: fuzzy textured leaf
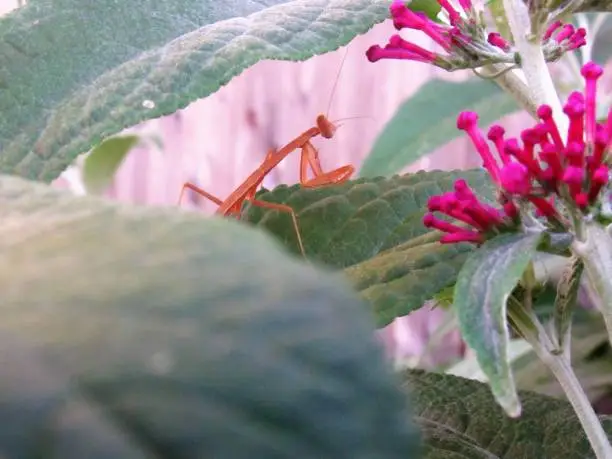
{"x": 373, "y": 228}
{"x": 428, "y": 120}
{"x": 486, "y": 280}
{"x": 137, "y": 333}
{"x": 77, "y": 71}
{"x": 460, "y": 419}
{"x": 342, "y": 225}
{"x": 400, "y": 280}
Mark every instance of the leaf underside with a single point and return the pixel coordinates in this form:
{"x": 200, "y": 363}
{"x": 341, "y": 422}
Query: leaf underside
{"x": 487, "y": 278}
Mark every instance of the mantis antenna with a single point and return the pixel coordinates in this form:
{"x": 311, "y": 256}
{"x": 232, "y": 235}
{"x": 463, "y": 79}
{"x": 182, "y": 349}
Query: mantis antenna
{"x": 333, "y": 91}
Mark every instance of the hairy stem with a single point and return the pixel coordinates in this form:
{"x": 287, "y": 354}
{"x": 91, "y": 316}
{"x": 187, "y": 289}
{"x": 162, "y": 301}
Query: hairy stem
{"x": 595, "y": 250}
{"x": 511, "y": 83}
{"x": 560, "y": 366}
{"x": 538, "y": 78}
{"x": 562, "y": 369}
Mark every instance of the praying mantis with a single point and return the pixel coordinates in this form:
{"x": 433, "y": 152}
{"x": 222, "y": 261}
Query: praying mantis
{"x": 309, "y": 159}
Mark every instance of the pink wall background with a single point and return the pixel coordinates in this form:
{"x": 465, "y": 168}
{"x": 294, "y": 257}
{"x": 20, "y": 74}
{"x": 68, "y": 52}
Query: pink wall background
{"x": 215, "y": 142}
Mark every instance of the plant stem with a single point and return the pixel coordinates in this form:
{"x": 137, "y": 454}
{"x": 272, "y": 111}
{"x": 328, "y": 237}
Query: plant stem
{"x": 511, "y": 83}
{"x": 539, "y": 81}
{"x": 598, "y": 262}
{"x": 561, "y": 368}
{"x": 596, "y": 253}
{"x": 563, "y": 371}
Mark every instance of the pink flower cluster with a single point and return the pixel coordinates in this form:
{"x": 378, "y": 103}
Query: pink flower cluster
{"x": 445, "y": 36}
{"x": 464, "y": 39}
{"x": 463, "y": 205}
{"x": 565, "y": 36}
{"x": 544, "y": 169}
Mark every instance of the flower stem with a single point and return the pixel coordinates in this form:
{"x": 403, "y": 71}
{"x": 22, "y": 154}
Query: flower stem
{"x": 539, "y": 81}
{"x": 559, "y": 364}
{"x": 511, "y": 83}
{"x": 563, "y": 371}
{"x": 596, "y": 253}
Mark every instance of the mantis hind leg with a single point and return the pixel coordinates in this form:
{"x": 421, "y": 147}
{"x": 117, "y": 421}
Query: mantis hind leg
{"x": 287, "y": 209}
{"x": 200, "y": 191}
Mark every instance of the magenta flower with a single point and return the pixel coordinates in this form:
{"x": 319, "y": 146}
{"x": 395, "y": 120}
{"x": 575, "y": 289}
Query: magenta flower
{"x": 463, "y": 39}
{"x": 565, "y": 36}
{"x": 463, "y": 205}
{"x": 553, "y": 175}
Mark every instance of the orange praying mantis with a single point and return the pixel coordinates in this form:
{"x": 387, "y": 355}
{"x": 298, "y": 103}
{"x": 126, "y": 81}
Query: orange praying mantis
{"x": 309, "y": 159}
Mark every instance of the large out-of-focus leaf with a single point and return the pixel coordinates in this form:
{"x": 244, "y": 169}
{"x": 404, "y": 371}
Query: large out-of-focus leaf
{"x": 484, "y": 284}
{"x": 76, "y": 71}
{"x": 460, "y": 419}
{"x": 152, "y": 333}
{"x": 428, "y": 120}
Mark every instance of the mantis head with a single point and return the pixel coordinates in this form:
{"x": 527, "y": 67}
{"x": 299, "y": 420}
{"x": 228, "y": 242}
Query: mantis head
{"x": 327, "y": 128}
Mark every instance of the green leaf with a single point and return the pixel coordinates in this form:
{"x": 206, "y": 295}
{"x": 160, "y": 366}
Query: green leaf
{"x": 459, "y": 419}
{"x": 444, "y": 298}
{"x": 133, "y": 332}
{"x": 427, "y": 121}
{"x": 78, "y": 71}
{"x": 431, "y": 8}
{"x": 343, "y": 225}
{"x": 373, "y": 227}
{"x": 103, "y": 162}
{"x": 498, "y": 13}
{"x": 401, "y": 280}
{"x": 486, "y": 280}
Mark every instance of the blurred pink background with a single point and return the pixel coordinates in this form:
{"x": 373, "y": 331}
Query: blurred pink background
{"x": 217, "y": 141}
